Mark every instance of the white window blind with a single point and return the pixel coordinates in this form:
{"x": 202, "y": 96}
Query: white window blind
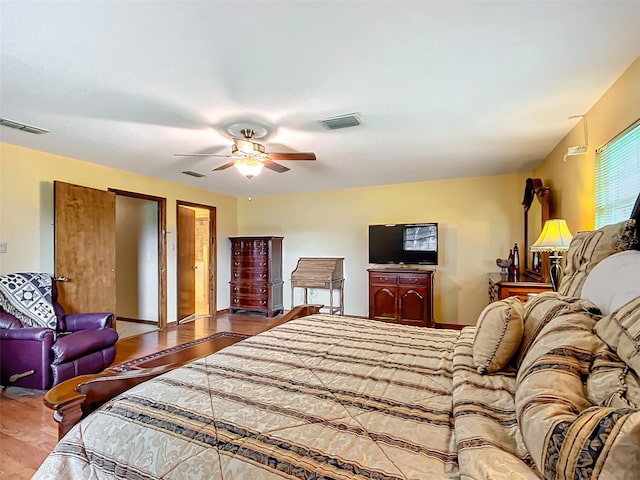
{"x": 618, "y": 177}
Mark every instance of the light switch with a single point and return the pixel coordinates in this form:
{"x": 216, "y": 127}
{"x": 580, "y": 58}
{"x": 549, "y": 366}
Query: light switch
{"x": 3, "y": 247}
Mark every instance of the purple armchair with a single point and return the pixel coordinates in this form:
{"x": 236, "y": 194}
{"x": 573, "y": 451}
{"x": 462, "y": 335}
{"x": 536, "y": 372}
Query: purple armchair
{"x": 43, "y": 357}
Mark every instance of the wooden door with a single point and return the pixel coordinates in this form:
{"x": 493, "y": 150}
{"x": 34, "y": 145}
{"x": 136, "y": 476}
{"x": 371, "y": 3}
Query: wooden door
{"x": 186, "y": 262}
{"x": 85, "y": 248}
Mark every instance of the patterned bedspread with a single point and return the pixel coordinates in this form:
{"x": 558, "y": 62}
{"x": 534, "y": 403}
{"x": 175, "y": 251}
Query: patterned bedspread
{"x": 318, "y": 397}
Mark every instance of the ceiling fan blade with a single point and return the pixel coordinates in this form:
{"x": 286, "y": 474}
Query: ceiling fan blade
{"x": 276, "y": 167}
{"x": 201, "y": 155}
{"x": 292, "y": 156}
{"x": 225, "y": 166}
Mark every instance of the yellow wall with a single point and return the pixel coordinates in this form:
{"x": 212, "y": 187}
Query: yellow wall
{"x": 26, "y": 211}
{"x": 479, "y": 220}
{"x": 573, "y": 182}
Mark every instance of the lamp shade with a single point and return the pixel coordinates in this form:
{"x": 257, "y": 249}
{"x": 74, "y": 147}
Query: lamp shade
{"x": 249, "y": 166}
{"x": 555, "y": 237}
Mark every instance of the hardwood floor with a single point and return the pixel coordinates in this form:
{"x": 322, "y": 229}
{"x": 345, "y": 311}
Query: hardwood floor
{"x": 27, "y": 430}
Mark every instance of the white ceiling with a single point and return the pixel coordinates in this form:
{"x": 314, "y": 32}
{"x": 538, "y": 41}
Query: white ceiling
{"x": 446, "y": 89}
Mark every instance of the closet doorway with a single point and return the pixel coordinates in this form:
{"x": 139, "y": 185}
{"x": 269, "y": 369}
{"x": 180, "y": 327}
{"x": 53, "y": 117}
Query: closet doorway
{"x": 140, "y": 260}
{"x": 196, "y": 260}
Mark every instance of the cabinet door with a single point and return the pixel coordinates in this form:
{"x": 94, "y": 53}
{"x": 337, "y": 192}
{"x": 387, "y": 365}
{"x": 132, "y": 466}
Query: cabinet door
{"x": 412, "y": 306}
{"x": 383, "y": 303}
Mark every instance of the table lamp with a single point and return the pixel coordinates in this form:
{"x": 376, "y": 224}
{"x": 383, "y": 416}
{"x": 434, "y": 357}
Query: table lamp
{"x": 555, "y": 238}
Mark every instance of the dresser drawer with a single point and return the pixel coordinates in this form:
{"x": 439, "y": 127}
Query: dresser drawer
{"x": 413, "y": 279}
{"x": 252, "y": 262}
{"x": 246, "y": 290}
{"x": 250, "y": 274}
{"x": 383, "y": 278}
{"x": 249, "y": 302}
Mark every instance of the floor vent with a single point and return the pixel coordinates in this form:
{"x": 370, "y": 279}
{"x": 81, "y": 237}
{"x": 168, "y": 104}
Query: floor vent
{"x": 194, "y": 174}
{"x": 5, "y": 122}
{"x": 342, "y": 121}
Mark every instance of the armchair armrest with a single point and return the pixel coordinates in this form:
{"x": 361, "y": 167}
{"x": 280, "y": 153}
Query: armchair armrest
{"x": 40, "y": 334}
{"x": 88, "y": 321}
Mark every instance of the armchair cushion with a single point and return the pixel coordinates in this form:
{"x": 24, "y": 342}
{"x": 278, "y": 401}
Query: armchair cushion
{"x": 78, "y": 344}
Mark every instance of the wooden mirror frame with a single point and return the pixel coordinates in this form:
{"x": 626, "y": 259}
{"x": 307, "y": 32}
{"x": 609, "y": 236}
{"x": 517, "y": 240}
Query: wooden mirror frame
{"x": 534, "y": 189}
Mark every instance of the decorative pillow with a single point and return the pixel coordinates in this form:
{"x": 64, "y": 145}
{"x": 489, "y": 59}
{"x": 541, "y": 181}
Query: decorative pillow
{"x": 587, "y": 249}
{"x": 543, "y": 308}
{"x": 621, "y": 331}
{"x": 609, "y": 382}
{"x": 614, "y": 281}
{"x": 498, "y": 335}
{"x": 565, "y": 434}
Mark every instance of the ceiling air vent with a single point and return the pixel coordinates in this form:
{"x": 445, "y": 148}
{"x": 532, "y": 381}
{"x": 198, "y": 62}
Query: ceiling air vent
{"x": 342, "y": 121}
{"x": 194, "y": 174}
{"x": 5, "y": 122}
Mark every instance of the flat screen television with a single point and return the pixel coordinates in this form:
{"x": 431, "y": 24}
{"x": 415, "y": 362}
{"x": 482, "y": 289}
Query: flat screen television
{"x": 412, "y": 243}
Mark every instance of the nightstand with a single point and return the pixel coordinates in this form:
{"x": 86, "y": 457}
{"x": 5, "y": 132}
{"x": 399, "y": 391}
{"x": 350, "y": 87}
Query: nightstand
{"x": 500, "y": 287}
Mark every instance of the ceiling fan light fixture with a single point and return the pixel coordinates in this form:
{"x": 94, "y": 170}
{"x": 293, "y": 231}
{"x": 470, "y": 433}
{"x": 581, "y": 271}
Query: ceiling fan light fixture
{"x": 245, "y": 147}
{"x": 249, "y": 166}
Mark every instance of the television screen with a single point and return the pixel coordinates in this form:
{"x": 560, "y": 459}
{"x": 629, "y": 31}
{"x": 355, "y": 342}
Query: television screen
{"x": 415, "y": 243}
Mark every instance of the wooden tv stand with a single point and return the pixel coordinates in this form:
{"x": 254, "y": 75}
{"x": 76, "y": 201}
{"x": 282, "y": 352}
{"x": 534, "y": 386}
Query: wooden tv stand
{"x": 401, "y": 295}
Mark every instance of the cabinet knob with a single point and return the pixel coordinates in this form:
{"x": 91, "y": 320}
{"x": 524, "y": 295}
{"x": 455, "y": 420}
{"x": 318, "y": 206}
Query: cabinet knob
{"x": 263, "y": 302}
{"x": 235, "y": 300}
{"x": 262, "y": 275}
{"x": 236, "y": 275}
{"x": 263, "y": 290}
{"x": 237, "y": 264}
{"x": 235, "y": 289}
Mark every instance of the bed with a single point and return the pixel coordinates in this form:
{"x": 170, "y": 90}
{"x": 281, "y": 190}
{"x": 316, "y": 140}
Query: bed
{"x": 545, "y": 389}
{"x": 318, "y": 397}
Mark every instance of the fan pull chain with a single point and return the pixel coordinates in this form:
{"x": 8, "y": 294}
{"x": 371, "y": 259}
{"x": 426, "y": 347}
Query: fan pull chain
{"x": 250, "y": 197}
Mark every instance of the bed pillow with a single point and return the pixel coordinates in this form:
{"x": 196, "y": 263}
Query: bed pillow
{"x": 542, "y": 309}
{"x": 587, "y": 249}
{"x": 614, "y": 281}
{"x": 498, "y": 335}
{"x": 621, "y": 331}
{"x": 565, "y": 434}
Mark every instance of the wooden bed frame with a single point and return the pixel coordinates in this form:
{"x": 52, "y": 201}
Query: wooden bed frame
{"x": 77, "y": 397}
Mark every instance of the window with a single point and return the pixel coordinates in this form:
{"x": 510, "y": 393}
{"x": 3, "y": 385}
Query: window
{"x": 618, "y": 177}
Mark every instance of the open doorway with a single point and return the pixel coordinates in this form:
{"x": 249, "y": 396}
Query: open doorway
{"x": 140, "y": 263}
{"x": 196, "y": 261}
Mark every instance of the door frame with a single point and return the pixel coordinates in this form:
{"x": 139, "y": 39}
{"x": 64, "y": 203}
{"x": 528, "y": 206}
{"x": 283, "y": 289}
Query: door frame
{"x": 161, "y": 203}
{"x": 213, "y": 263}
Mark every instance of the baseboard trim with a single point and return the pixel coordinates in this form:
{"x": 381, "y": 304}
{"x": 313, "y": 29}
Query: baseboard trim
{"x": 450, "y": 326}
{"x": 136, "y": 320}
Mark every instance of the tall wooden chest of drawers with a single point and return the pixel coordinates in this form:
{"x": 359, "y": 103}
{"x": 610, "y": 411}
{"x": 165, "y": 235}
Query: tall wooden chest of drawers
{"x": 256, "y": 275}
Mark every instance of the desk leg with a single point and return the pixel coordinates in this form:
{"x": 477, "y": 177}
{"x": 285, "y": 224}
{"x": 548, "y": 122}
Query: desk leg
{"x": 306, "y": 298}
{"x": 331, "y": 312}
{"x": 341, "y": 297}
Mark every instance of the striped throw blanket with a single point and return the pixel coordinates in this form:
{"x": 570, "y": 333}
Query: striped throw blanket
{"x": 27, "y": 296}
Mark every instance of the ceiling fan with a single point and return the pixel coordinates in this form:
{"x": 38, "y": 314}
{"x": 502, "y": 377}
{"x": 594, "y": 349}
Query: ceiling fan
{"x": 250, "y": 157}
